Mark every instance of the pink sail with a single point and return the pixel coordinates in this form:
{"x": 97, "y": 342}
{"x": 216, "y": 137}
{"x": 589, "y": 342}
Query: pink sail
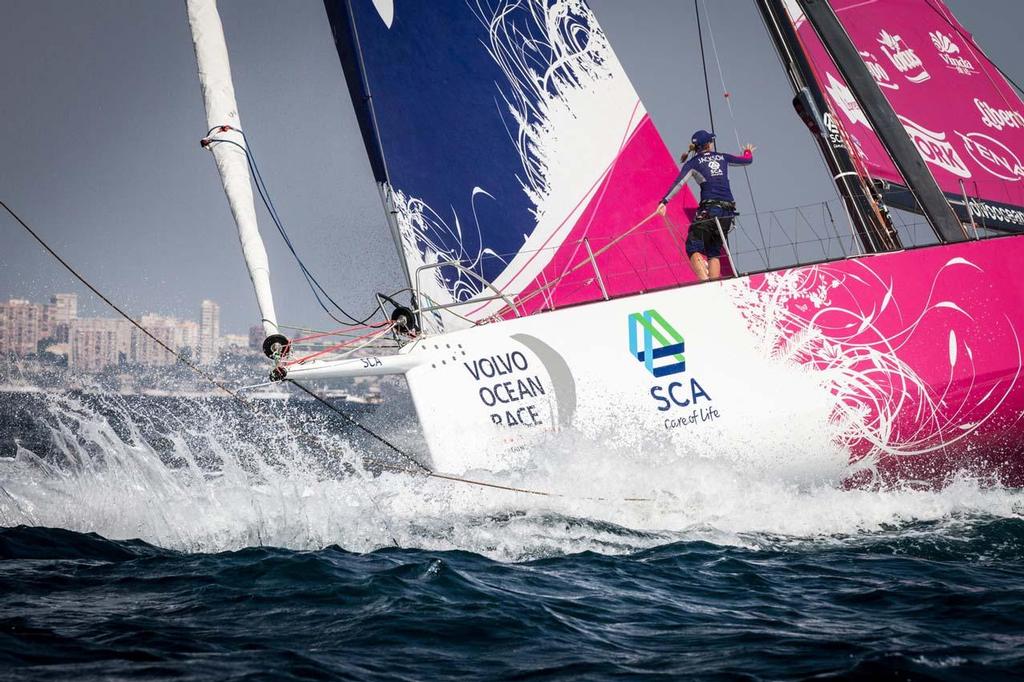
{"x": 963, "y": 117}
{"x": 617, "y": 246}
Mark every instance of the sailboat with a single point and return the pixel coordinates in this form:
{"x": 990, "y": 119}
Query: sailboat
{"x": 519, "y": 172}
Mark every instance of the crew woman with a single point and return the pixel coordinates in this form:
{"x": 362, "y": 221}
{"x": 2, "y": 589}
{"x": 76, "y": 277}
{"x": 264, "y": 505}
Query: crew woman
{"x": 711, "y": 171}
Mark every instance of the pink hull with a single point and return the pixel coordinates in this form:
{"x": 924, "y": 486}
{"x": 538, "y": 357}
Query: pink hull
{"x": 922, "y": 348}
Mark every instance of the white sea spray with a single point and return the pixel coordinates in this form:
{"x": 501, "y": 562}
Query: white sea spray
{"x": 217, "y": 480}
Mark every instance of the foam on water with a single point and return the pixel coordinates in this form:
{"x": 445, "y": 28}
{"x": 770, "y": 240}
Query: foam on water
{"x": 205, "y": 478}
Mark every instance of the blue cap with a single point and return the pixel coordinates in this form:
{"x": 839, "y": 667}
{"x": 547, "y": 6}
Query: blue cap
{"x": 702, "y": 137}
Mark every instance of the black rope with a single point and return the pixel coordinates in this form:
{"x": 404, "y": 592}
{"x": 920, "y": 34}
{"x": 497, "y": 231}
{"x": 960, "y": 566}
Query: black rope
{"x": 195, "y": 368}
{"x": 397, "y": 450}
{"x": 198, "y": 370}
{"x": 704, "y": 63}
{"x": 264, "y": 194}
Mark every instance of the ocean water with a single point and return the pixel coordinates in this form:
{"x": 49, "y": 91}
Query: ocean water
{"x": 163, "y": 538}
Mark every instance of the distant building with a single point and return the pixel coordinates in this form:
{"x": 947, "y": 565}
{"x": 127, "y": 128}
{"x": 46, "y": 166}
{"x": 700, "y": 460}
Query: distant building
{"x": 22, "y": 326}
{"x": 97, "y": 343}
{"x": 186, "y": 335}
{"x": 235, "y": 342}
{"x": 62, "y": 310}
{"x": 256, "y": 336}
{"x": 209, "y": 333}
{"x": 146, "y": 351}
{"x": 92, "y": 344}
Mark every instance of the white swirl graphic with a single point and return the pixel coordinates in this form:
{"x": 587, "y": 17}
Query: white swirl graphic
{"x": 814, "y": 317}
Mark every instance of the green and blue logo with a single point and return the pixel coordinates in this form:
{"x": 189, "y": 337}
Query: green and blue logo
{"x": 652, "y": 338}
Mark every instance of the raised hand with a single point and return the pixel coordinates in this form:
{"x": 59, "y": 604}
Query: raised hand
{"x": 749, "y": 148}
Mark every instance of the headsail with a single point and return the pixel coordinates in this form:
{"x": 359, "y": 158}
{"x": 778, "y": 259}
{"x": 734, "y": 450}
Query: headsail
{"x": 962, "y": 115}
{"x": 509, "y": 140}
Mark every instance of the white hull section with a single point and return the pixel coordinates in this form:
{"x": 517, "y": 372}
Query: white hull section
{"x": 487, "y": 395}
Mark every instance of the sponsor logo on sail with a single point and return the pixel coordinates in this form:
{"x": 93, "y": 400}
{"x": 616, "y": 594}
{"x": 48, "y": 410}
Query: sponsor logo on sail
{"x": 950, "y": 53}
{"x": 877, "y": 71}
{"x": 934, "y": 148}
{"x": 997, "y": 212}
{"x": 903, "y": 57}
{"x": 999, "y": 118}
{"x": 993, "y": 156}
{"x": 845, "y": 102}
{"x": 652, "y": 338}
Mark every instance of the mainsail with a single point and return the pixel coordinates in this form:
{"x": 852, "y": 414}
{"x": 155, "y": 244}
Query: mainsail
{"x": 963, "y": 117}
{"x": 519, "y": 167}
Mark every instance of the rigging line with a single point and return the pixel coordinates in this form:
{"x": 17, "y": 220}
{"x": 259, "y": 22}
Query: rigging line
{"x": 735, "y": 129}
{"x": 585, "y": 262}
{"x": 251, "y": 156}
{"x": 354, "y": 330}
{"x": 311, "y": 280}
{"x": 369, "y": 337}
{"x": 704, "y": 63}
{"x": 365, "y": 429}
{"x": 264, "y": 193}
{"x": 430, "y": 473}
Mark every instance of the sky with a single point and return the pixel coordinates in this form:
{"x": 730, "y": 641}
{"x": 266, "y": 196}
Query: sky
{"x": 101, "y": 116}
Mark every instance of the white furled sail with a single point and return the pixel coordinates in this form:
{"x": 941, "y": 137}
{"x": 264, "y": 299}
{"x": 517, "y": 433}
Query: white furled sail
{"x": 223, "y": 121}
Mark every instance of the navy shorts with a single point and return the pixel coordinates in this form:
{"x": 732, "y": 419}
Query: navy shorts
{"x": 704, "y": 236}
{"x": 702, "y": 241}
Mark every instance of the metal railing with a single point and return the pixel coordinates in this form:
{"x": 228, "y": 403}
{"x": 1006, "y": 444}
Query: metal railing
{"x": 458, "y": 266}
{"x": 789, "y": 237}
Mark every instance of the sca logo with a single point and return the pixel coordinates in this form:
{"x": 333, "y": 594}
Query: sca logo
{"x": 652, "y": 338}
{"x": 656, "y": 343}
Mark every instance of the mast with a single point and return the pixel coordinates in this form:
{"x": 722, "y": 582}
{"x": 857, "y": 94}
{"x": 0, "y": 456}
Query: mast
{"x": 883, "y": 119}
{"x": 874, "y": 234}
{"x": 229, "y": 152}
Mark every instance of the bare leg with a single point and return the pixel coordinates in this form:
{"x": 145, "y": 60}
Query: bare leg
{"x": 699, "y": 265}
{"x": 714, "y": 268}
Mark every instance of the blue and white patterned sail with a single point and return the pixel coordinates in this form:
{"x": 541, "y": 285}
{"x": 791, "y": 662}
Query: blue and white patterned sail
{"x": 505, "y": 133}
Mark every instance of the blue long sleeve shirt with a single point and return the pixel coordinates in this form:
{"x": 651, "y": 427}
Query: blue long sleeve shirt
{"x": 711, "y": 171}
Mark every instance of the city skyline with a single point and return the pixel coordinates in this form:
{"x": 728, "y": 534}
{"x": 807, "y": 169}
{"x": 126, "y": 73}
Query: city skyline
{"x": 92, "y": 344}
{"x": 73, "y": 301}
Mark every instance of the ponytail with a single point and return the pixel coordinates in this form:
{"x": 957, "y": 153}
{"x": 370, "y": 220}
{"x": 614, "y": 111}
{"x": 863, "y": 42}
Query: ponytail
{"x": 692, "y": 148}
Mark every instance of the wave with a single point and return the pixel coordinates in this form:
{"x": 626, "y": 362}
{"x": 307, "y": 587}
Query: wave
{"x": 206, "y": 476}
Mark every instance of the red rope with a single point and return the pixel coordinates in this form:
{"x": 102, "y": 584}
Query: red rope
{"x": 338, "y": 332}
{"x": 332, "y": 349}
